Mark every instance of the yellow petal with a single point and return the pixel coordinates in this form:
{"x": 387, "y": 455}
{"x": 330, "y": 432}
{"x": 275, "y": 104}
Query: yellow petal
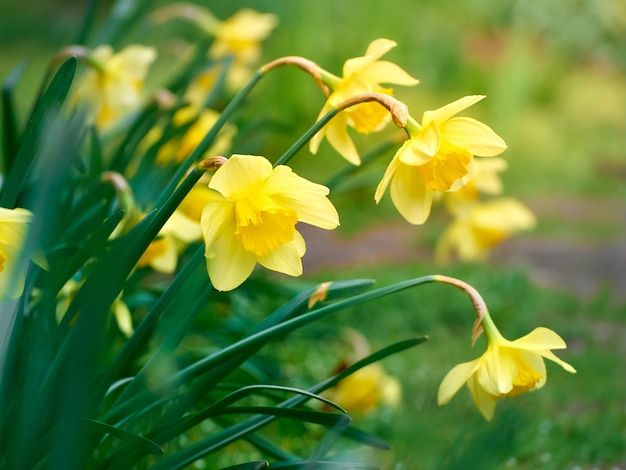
{"x": 420, "y": 150}
{"x": 12, "y": 275}
{"x": 166, "y": 261}
{"x": 497, "y": 372}
{"x": 123, "y": 318}
{"x": 409, "y": 195}
{"x": 182, "y": 227}
{"x": 218, "y": 217}
{"x": 286, "y": 258}
{"x": 474, "y": 136}
{"x": 338, "y": 137}
{"x": 551, "y": 356}
{"x": 375, "y": 50}
{"x": 539, "y": 339}
{"x": 387, "y": 72}
{"x": 240, "y": 176}
{"x": 441, "y": 115}
{"x": 455, "y": 379}
{"x": 386, "y": 179}
{"x": 308, "y": 199}
{"x": 314, "y": 143}
{"x": 230, "y": 265}
{"x": 485, "y": 403}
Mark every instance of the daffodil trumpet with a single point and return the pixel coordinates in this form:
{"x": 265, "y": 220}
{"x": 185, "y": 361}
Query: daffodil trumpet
{"x": 507, "y": 368}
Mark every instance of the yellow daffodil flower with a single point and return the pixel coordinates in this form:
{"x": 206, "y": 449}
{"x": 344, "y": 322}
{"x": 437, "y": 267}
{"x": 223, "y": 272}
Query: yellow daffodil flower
{"x": 364, "y": 390}
{"x": 437, "y": 157}
{"x": 251, "y": 218}
{"x": 182, "y": 228}
{"x": 14, "y": 225}
{"x": 481, "y": 226}
{"x": 506, "y": 369}
{"x": 360, "y": 75}
{"x": 177, "y": 149}
{"x": 111, "y": 88}
{"x": 240, "y": 36}
{"x": 485, "y": 180}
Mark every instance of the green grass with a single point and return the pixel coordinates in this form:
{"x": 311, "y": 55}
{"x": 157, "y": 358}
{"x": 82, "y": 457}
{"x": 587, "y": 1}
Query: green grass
{"x": 574, "y": 421}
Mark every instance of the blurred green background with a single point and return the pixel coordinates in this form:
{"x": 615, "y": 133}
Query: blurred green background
{"x": 554, "y": 76}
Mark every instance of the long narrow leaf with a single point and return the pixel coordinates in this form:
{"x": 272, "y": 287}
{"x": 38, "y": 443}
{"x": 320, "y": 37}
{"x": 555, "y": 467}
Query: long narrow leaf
{"x": 240, "y": 430}
{"x": 44, "y": 112}
{"x": 9, "y": 119}
{"x": 135, "y": 441}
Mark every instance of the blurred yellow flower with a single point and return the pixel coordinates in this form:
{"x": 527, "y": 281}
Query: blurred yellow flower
{"x": 241, "y": 36}
{"x": 481, "y": 226}
{"x": 111, "y": 88}
{"x": 360, "y": 75}
{"x": 364, "y": 390}
{"x": 438, "y": 157}
{"x": 182, "y": 228}
{"x": 506, "y": 369}
{"x": 251, "y": 217}
{"x": 485, "y": 179}
{"x": 176, "y": 149}
{"x": 14, "y": 224}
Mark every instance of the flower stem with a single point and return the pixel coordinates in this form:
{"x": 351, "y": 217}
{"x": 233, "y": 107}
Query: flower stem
{"x": 308, "y": 135}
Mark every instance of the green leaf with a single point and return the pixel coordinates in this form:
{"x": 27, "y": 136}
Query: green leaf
{"x": 95, "y": 154}
{"x": 10, "y": 133}
{"x": 135, "y": 441}
{"x": 45, "y": 111}
{"x": 242, "y": 429}
{"x": 310, "y": 416}
{"x": 310, "y": 464}
{"x": 258, "y": 465}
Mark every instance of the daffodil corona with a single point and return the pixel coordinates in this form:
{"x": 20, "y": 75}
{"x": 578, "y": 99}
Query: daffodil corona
{"x": 506, "y": 369}
{"x": 437, "y": 157}
{"x": 251, "y": 218}
{"x": 360, "y": 75}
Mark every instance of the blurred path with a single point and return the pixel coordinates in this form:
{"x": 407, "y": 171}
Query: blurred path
{"x": 563, "y": 263}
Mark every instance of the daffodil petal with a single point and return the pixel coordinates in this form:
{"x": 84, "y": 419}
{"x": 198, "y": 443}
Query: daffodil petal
{"x": 455, "y": 379}
{"x": 12, "y": 277}
{"x": 441, "y": 115}
{"x": 540, "y": 338}
{"x": 123, "y": 318}
{"x": 375, "y": 50}
{"x": 409, "y": 196}
{"x": 308, "y": 199}
{"x": 182, "y": 227}
{"x": 386, "y": 179}
{"x": 485, "y": 402}
{"x": 231, "y": 265}
{"x": 387, "y": 72}
{"x": 217, "y": 218}
{"x": 239, "y": 175}
{"x": 478, "y": 138}
{"x": 421, "y": 150}
{"x": 338, "y": 137}
{"x": 497, "y": 372}
{"x": 551, "y": 356}
{"x": 166, "y": 262}
{"x": 315, "y": 141}
{"x": 286, "y": 258}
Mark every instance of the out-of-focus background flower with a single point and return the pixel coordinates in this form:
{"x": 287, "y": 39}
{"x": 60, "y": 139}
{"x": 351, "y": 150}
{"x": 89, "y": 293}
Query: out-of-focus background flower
{"x": 554, "y": 76}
